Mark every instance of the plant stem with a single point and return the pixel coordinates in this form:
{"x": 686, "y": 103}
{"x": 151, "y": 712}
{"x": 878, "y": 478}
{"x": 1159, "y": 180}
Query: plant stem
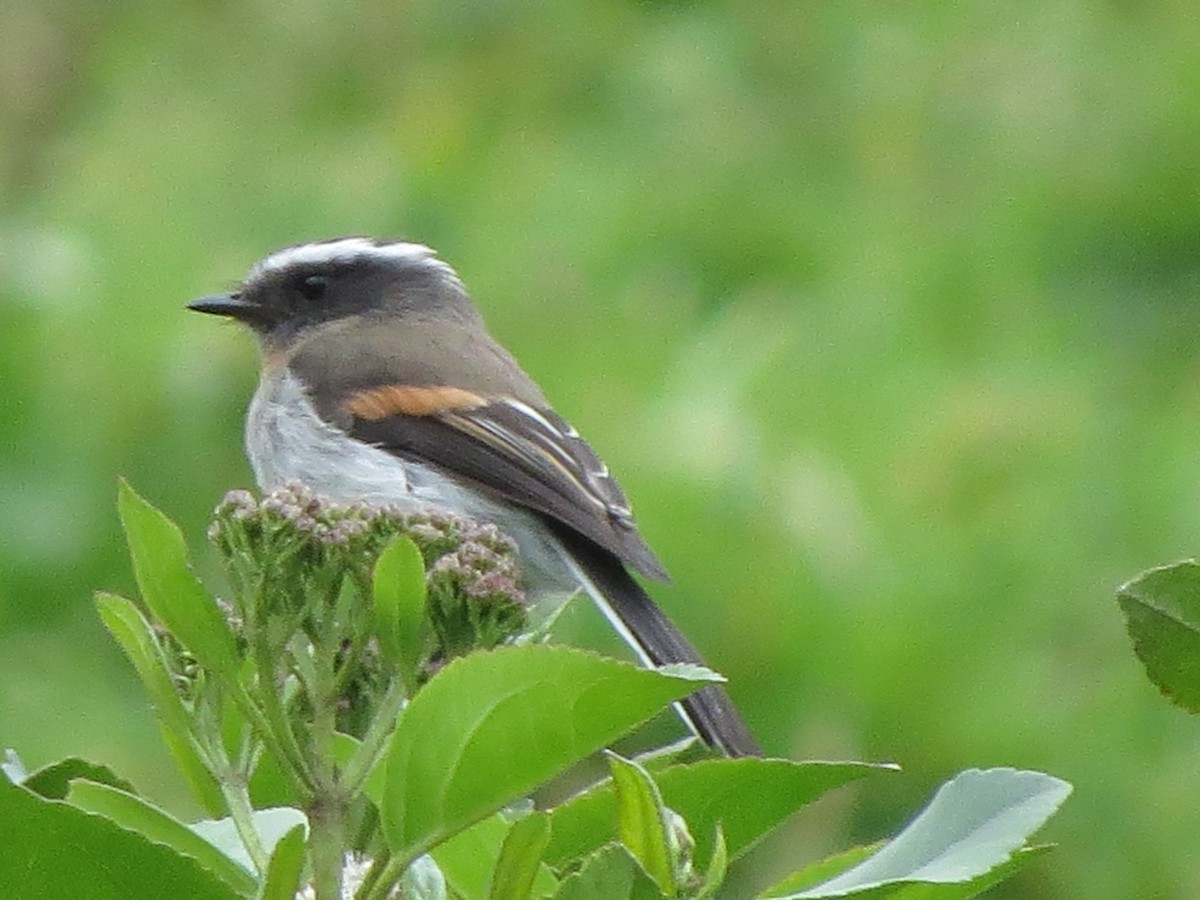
{"x": 381, "y": 885}
{"x": 327, "y": 819}
{"x": 273, "y": 726}
{"x": 371, "y": 879}
{"x": 368, "y": 752}
{"x": 372, "y": 884}
{"x": 327, "y": 811}
{"x": 242, "y": 813}
{"x": 351, "y": 659}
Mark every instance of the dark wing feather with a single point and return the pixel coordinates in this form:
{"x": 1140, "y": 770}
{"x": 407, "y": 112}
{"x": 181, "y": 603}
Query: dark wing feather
{"x": 710, "y": 710}
{"x": 527, "y": 456}
{"x": 534, "y": 458}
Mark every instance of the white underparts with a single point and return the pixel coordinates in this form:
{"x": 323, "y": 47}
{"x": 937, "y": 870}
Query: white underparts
{"x": 287, "y": 441}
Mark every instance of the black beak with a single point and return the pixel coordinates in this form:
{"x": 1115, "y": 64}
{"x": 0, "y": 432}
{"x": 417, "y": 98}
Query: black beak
{"x": 235, "y": 306}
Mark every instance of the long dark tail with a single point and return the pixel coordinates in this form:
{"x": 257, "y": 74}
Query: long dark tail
{"x": 709, "y": 712}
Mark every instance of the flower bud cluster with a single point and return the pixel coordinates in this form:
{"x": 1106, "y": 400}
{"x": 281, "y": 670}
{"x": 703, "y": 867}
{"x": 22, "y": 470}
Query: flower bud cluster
{"x": 294, "y": 553}
{"x": 475, "y": 598}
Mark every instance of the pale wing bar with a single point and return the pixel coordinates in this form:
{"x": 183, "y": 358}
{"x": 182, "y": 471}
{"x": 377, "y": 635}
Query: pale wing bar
{"x": 543, "y": 441}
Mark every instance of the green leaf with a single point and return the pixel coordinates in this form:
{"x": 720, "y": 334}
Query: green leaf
{"x": 54, "y": 781}
{"x": 642, "y": 823}
{"x": 375, "y": 784}
{"x": 231, "y": 717}
{"x": 269, "y": 785}
{"x": 749, "y": 797}
{"x": 468, "y": 859}
{"x": 717, "y": 868}
{"x": 138, "y": 815}
{"x": 492, "y": 726}
{"x": 202, "y": 782}
{"x": 271, "y": 826}
{"x": 924, "y": 890}
{"x": 53, "y": 850}
{"x": 520, "y": 860}
{"x": 674, "y": 753}
{"x": 1162, "y": 614}
{"x": 168, "y": 587}
{"x": 974, "y": 824}
{"x": 286, "y": 867}
{"x": 608, "y": 874}
{"x": 137, "y": 639}
{"x": 345, "y": 750}
{"x": 823, "y": 870}
{"x": 398, "y": 589}
{"x": 136, "y": 636}
{"x": 422, "y": 880}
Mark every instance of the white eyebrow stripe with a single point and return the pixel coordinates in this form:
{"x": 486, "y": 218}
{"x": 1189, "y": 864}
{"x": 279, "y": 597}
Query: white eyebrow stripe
{"x": 347, "y": 250}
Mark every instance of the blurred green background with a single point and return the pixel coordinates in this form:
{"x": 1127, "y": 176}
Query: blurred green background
{"x": 885, "y": 315}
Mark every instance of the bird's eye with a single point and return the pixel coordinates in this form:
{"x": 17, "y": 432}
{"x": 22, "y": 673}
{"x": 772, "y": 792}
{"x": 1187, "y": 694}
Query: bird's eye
{"x": 313, "y": 287}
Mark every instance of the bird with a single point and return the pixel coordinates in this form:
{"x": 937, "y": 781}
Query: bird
{"x": 381, "y": 384}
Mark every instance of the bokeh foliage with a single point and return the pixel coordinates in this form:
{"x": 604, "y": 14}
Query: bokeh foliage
{"x": 885, "y": 315}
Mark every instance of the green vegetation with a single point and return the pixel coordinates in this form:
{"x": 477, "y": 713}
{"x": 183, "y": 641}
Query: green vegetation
{"x": 884, "y": 317}
{"x": 369, "y": 711}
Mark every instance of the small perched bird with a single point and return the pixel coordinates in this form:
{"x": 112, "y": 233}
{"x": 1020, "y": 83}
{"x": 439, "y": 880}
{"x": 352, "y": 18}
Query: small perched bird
{"x": 381, "y": 384}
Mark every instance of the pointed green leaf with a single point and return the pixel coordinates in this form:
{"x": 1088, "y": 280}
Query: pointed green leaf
{"x": 642, "y": 823}
{"x": 1162, "y": 613}
{"x": 168, "y": 587}
{"x": 137, "y": 639}
{"x": 717, "y": 868}
{"x": 974, "y": 824}
{"x": 520, "y": 860}
{"x": 608, "y": 874}
{"x": 53, "y": 849}
{"x": 492, "y": 726}
{"x": 136, "y": 636}
{"x": 749, "y": 797}
{"x": 136, "y": 814}
{"x": 286, "y": 867}
{"x": 398, "y": 590}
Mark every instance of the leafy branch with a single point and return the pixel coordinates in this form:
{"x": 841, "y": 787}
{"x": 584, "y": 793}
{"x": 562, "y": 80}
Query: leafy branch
{"x": 368, "y": 711}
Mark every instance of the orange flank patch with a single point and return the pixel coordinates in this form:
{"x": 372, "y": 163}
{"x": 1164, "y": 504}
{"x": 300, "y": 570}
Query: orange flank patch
{"x": 409, "y": 400}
